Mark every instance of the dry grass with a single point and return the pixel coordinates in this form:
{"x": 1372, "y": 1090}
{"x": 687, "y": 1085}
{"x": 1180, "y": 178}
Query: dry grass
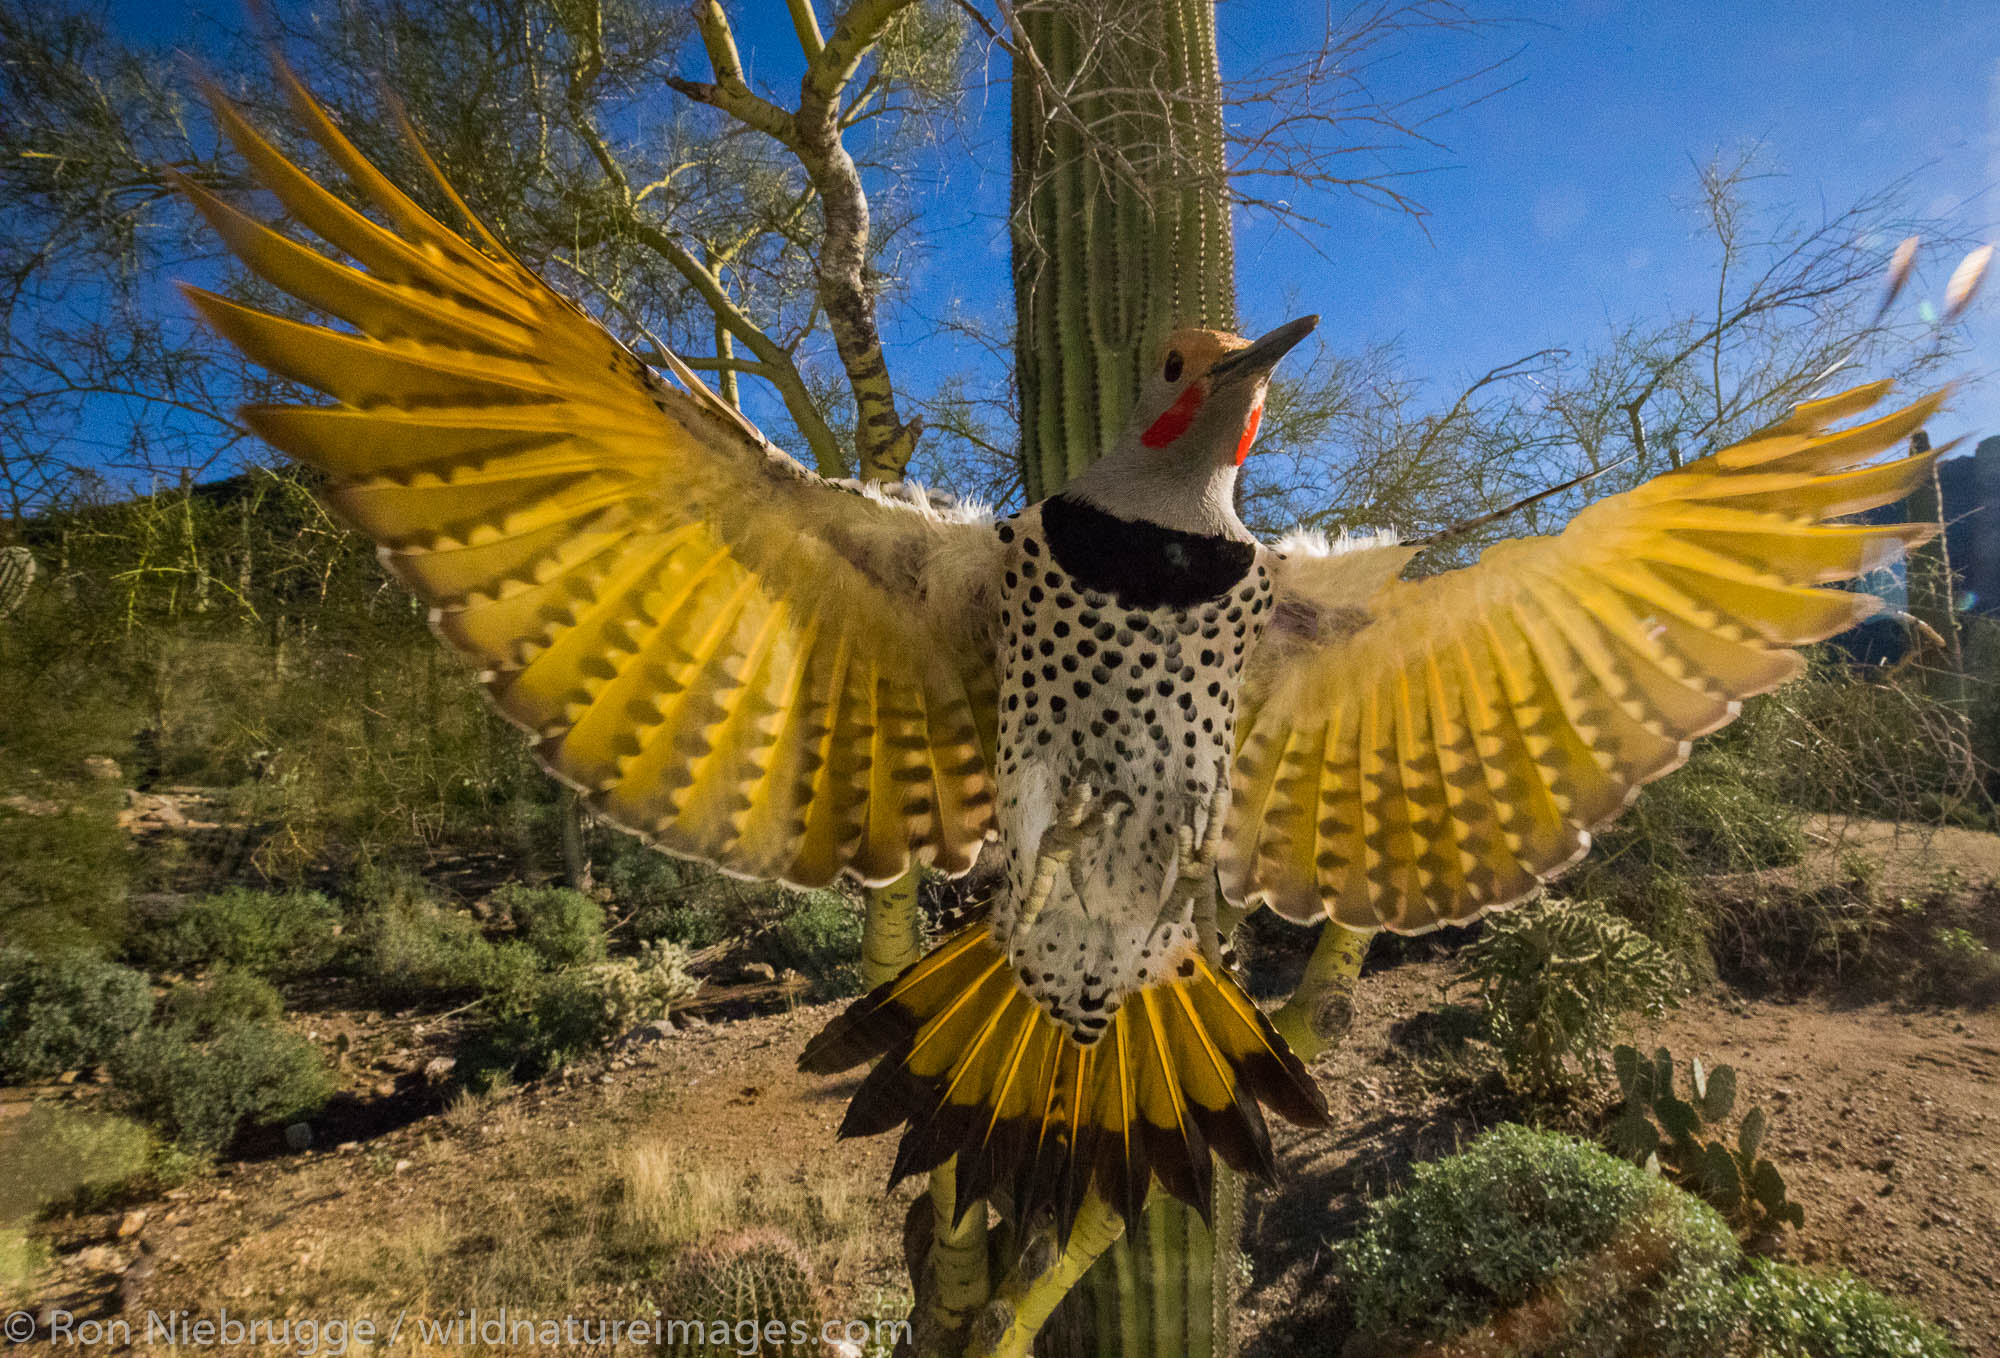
{"x": 491, "y": 1111}
{"x": 508, "y": 1206}
{"x": 668, "y": 1201}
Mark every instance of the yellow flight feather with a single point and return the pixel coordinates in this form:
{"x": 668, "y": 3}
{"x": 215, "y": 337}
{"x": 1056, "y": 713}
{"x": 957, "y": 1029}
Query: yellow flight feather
{"x": 740, "y": 661}
{"x": 1414, "y": 752}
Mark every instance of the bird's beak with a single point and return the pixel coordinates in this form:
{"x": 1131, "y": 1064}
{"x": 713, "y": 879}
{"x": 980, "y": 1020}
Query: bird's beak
{"x": 1261, "y": 357}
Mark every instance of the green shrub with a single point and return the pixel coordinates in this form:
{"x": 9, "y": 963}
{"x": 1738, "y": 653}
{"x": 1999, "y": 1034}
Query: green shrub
{"x": 276, "y": 934}
{"x": 1558, "y": 978}
{"x": 1940, "y": 946}
{"x": 1585, "y": 1253}
{"x": 696, "y": 906}
{"x": 56, "y": 1153}
{"x": 549, "y": 1020}
{"x": 59, "y": 1013}
{"x": 1850, "y": 740}
{"x": 540, "y": 1027}
{"x": 225, "y": 999}
{"x": 564, "y": 928}
{"x": 22, "y": 1257}
{"x": 1722, "y": 811}
{"x": 412, "y": 950}
{"x": 819, "y": 937}
{"x": 1786, "y": 1312}
{"x": 200, "y": 1090}
{"x": 692, "y": 924}
{"x": 663, "y": 897}
{"x": 63, "y": 877}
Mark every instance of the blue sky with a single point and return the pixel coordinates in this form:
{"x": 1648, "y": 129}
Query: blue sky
{"x": 1552, "y": 213}
{"x": 1559, "y": 218}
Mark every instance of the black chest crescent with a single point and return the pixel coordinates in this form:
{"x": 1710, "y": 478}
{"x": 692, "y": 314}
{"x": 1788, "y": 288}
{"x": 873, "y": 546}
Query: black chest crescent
{"x": 1142, "y": 565}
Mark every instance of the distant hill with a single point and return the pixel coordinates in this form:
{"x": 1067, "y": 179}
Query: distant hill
{"x": 1971, "y": 487}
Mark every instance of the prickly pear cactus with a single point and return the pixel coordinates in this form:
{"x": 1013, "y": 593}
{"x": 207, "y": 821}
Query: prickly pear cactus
{"x": 1681, "y": 1138}
{"x": 746, "y": 1292}
{"x": 17, "y": 572}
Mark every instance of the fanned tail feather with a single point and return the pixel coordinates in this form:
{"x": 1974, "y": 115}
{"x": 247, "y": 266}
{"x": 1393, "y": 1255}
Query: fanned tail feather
{"x": 975, "y": 1069}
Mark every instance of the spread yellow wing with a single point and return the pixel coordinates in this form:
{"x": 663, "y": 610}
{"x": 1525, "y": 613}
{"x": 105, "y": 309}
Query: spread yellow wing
{"x": 1412, "y": 753}
{"x": 743, "y": 662}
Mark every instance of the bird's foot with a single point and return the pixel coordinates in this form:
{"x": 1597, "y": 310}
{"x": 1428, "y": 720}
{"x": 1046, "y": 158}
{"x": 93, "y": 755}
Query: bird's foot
{"x": 1195, "y": 888}
{"x": 1084, "y": 814}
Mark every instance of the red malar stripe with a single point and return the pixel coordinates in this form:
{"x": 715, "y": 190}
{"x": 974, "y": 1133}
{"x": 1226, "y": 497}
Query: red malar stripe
{"x": 1249, "y": 432}
{"x": 1175, "y": 421}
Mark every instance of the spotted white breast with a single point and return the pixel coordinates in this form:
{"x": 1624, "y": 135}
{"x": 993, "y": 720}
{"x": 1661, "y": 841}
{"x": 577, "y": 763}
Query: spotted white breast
{"x": 1123, "y": 646}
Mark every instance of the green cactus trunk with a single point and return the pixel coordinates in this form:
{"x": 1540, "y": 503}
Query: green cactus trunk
{"x": 1115, "y": 243}
{"x": 1168, "y": 1288}
{"x": 1118, "y": 239}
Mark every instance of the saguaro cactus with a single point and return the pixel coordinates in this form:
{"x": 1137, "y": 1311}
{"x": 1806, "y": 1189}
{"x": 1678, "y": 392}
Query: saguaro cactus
{"x": 1121, "y": 229}
{"x": 1120, "y": 215}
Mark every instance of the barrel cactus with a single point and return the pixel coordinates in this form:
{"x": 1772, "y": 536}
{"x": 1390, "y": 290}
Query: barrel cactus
{"x": 750, "y": 1291}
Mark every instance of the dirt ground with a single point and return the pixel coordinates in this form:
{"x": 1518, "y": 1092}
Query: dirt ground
{"x": 1885, "y": 1122}
{"x": 1886, "y": 1125}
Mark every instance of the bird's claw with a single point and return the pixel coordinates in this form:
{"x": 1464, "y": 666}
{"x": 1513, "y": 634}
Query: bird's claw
{"x": 1195, "y": 886}
{"x": 1083, "y": 814}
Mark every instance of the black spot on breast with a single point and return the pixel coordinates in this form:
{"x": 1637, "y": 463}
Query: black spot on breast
{"x": 1141, "y": 565}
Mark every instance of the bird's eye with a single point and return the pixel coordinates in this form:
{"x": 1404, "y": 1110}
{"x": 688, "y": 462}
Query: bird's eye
{"x": 1173, "y": 368}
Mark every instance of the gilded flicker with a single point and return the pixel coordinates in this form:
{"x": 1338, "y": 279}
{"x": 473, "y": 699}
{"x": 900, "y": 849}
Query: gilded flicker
{"x": 1119, "y": 693}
